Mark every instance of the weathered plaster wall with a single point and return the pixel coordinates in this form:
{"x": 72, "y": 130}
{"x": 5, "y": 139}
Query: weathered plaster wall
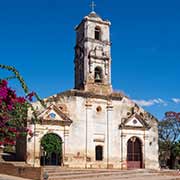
{"x": 91, "y": 127}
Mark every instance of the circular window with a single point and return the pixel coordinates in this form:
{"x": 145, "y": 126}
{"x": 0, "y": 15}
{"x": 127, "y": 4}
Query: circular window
{"x": 99, "y": 109}
{"x": 52, "y": 115}
{"x": 134, "y": 121}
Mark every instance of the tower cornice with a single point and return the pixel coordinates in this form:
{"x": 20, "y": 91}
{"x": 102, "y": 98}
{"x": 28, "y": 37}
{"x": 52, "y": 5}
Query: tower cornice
{"x": 97, "y": 20}
{"x": 87, "y": 39}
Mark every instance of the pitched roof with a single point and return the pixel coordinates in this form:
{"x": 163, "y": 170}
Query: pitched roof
{"x": 138, "y": 117}
{"x": 64, "y": 116}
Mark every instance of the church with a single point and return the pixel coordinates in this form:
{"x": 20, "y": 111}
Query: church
{"x": 95, "y": 126}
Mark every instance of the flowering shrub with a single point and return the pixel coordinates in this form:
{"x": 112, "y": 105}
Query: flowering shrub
{"x": 13, "y": 109}
{"x": 13, "y": 114}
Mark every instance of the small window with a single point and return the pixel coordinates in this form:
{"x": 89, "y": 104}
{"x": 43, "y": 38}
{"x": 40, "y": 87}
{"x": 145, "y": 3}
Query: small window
{"x": 98, "y": 75}
{"x": 97, "y": 33}
{"x": 99, "y": 153}
{"x": 99, "y": 109}
{"x": 134, "y": 121}
{"x": 52, "y": 115}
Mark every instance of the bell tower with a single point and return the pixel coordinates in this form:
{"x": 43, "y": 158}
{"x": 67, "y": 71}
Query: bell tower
{"x": 93, "y": 55}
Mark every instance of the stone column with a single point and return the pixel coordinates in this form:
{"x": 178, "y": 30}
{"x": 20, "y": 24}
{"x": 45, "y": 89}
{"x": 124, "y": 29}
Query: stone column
{"x": 65, "y": 145}
{"x": 33, "y": 147}
{"x": 89, "y": 133}
{"x": 109, "y": 135}
{"x": 37, "y": 147}
{"x": 123, "y": 150}
{"x": 30, "y": 156}
{"x": 145, "y": 149}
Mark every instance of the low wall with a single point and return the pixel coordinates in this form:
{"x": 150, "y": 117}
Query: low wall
{"x": 20, "y": 171}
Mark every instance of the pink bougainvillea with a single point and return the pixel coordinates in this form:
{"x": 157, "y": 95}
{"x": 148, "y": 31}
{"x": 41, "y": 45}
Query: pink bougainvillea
{"x": 13, "y": 114}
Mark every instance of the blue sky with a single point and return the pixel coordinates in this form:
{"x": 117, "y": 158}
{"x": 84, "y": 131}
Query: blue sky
{"x": 37, "y": 37}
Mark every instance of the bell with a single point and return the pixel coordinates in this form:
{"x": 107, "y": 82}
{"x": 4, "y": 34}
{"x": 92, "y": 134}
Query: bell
{"x": 98, "y": 78}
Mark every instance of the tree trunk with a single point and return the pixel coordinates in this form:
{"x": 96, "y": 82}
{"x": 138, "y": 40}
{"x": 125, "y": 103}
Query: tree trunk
{"x": 172, "y": 160}
{"x": 1, "y": 154}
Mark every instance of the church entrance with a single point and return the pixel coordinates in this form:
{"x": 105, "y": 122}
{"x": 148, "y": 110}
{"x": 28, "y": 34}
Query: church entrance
{"x": 134, "y": 153}
{"x": 51, "y": 150}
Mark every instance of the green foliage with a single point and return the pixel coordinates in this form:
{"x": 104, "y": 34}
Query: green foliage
{"x": 51, "y": 143}
{"x": 169, "y": 130}
{"x": 176, "y": 149}
{"x": 16, "y": 75}
{"x": 19, "y": 115}
{"x": 9, "y": 149}
{"x": 21, "y": 80}
{"x": 169, "y": 136}
{"x": 13, "y": 109}
{"x": 177, "y": 166}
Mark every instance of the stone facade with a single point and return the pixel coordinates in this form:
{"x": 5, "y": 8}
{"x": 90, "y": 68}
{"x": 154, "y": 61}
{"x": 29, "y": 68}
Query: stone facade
{"x": 91, "y": 52}
{"x": 99, "y": 128}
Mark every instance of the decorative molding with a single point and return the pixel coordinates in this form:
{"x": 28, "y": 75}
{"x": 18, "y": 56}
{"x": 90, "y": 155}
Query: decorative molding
{"x": 87, "y": 39}
{"x": 88, "y": 103}
{"x": 109, "y": 105}
{"x": 55, "y": 122}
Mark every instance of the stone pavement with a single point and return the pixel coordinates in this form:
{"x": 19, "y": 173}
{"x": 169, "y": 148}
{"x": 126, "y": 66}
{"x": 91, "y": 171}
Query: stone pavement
{"x": 90, "y": 174}
{"x": 100, "y": 174}
{"x": 6, "y": 177}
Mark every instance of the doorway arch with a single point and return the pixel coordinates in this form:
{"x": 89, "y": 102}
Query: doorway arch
{"x": 51, "y": 150}
{"x": 134, "y": 153}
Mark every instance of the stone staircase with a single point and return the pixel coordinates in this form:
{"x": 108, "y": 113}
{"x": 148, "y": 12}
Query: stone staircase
{"x": 58, "y": 173}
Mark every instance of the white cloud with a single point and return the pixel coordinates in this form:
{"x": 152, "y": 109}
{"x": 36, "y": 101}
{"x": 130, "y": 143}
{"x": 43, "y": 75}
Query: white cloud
{"x": 176, "y": 100}
{"x": 150, "y": 102}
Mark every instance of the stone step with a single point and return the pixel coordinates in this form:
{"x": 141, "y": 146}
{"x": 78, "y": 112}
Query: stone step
{"x": 84, "y": 177}
{"x": 59, "y": 173}
{"x": 70, "y": 171}
{"x": 75, "y": 172}
{"x": 97, "y": 175}
{"x": 73, "y": 169}
{"x": 94, "y": 171}
{"x": 82, "y": 171}
{"x": 150, "y": 177}
{"x": 51, "y": 169}
{"x": 91, "y": 172}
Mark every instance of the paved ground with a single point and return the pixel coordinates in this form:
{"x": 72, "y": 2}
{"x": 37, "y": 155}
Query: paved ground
{"x": 136, "y": 178}
{"x": 90, "y": 174}
{"x": 6, "y": 177}
{"x": 57, "y": 174}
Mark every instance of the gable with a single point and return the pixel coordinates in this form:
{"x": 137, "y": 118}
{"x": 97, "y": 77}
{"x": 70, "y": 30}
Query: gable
{"x": 54, "y": 114}
{"x": 134, "y": 122}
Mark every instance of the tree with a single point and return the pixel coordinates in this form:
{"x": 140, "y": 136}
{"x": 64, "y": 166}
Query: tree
{"x": 51, "y": 144}
{"x": 169, "y": 135}
{"x": 13, "y": 114}
{"x": 13, "y": 109}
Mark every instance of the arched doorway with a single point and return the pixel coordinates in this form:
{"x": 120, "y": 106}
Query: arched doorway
{"x": 134, "y": 153}
{"x": 51, "y": 150}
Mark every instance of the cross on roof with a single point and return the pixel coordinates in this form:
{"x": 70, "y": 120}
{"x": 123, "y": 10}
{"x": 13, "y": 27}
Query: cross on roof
{"x": 92, "y": 5}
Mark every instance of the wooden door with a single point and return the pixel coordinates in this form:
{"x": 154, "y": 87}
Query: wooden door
{"x": 134, "y": 153}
